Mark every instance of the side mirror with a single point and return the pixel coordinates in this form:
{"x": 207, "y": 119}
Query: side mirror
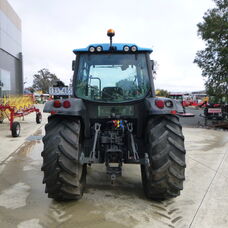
{"x": 73, "y": 64}
{"x": 152, "y": 64}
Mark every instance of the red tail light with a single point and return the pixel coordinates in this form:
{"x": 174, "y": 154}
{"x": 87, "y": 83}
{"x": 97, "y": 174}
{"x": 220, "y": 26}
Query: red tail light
{"x": 160, "y": 103}
{"x": 57, "y": 104}
{"x": 66, "y": 104}
{"x": 174, "y": 112}
{"x": 53, "y": 112}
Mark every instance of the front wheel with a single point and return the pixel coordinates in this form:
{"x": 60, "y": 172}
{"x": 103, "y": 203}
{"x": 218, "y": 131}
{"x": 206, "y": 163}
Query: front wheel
{"x": 163, "y": 177}
{"x": 64, "y": 175}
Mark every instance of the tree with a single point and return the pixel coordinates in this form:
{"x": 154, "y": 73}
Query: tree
{"x": 213, "y": 60}
{"x": 125, "y": 84}
{"x": 162, "y": 93}
{"x": 43, "y": 80}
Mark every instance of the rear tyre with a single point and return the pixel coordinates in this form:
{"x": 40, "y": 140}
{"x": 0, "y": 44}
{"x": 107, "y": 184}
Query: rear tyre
{"x": 164, "y": 176}
{"x": 1, "y": 119}
{"x": 64, "y": 176}
{"x": 16, "y": 129}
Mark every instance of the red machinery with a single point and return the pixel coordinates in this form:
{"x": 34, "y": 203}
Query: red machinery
{"x": 9, "y": 111}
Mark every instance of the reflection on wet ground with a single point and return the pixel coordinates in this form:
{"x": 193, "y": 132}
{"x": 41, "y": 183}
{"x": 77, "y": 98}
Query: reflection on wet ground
{"x": 24, "y": 204}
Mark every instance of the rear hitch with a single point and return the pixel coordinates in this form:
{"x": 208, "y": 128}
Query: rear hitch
{"x": 92, "y": 156}
{"x": 114, "y": 163}
{"x": 113, "y": 178}
{"x": 114, "y": 172}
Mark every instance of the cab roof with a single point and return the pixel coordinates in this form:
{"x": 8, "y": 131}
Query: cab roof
{"x": 118, "y": 47}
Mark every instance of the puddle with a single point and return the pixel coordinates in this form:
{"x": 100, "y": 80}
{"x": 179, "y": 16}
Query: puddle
{"x": 204, "y": 140}
{"x": 32, "y": 223}
{"x": 32, "y": 166}
{"x": 15, "y": 196}
{"x": 34, "y": 138}
{"x": 2, "y": 168}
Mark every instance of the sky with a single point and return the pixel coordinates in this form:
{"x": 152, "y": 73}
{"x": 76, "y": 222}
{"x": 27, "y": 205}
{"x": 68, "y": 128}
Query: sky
{"x": 52, "y": 29}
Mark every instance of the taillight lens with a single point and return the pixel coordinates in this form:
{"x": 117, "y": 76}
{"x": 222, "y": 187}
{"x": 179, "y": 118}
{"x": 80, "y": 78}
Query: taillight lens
{"x": 57, "y": 104}
{"x": 174, "y": 112}
{"x": 169, "y": 104}
{"x": 66, "y": 104}
{"x": 159, "y": 103}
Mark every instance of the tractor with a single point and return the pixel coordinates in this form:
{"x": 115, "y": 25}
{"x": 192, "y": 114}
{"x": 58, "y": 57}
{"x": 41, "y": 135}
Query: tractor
{"x": 113, "y": 118}
{"x": 216, "y": 108}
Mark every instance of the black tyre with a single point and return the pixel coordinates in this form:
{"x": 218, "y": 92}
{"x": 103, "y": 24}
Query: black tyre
{"x": 16, "y": 129}
{"x": 164, "y": 177}
{"x": 1, "y": 118}
{"x": 64, "y": 176}
{"x": 38, "y": 118}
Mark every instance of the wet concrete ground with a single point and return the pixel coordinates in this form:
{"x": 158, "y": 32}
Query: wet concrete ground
{"x": 203, "y": 202}
{"x": 9, "y": 144}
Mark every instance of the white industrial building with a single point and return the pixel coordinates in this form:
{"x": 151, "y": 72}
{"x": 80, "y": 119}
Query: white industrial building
{"x": 11, "y": 73}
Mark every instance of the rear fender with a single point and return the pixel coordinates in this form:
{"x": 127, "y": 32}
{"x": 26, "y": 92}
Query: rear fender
{"x": 77, "y": 107}
{"x": 154, "y": 110}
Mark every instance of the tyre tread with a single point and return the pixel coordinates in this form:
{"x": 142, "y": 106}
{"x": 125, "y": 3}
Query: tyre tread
{"x": 61, "y": 159}
{"x": 165, "y": 146}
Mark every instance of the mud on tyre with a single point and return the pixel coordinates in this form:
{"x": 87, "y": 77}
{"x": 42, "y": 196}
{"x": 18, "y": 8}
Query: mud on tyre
{"x": 64, "y": 176}
{"x": 164, "y": 176}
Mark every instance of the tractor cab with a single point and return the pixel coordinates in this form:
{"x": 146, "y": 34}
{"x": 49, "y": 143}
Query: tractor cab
{"x": 112, "y": 73}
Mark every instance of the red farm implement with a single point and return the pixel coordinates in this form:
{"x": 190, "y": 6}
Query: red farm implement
{"x": 13, "y": 107}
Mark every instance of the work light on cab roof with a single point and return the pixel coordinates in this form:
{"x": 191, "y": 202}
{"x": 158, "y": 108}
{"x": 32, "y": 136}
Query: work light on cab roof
{"x": 112, "y": 47}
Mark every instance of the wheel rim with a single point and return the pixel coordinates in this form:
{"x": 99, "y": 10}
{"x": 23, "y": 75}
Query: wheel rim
{"x": 18, "y": 130}
{"x": 39, "y": 117}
